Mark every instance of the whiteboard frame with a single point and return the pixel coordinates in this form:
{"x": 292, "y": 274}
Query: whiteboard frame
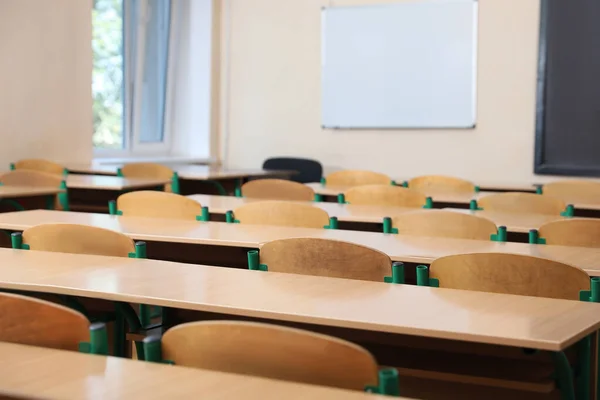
{"x": 474, "y": 61}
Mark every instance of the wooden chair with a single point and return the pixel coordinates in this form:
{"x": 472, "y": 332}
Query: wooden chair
{"x": 277, "y": 189}
{"x": 272, "y": 212}
{"x": 442, "y": 223}
{"x": 580, "y": 232}
{"x": 575, "y": 191}
{"x": 510, "y": 274}
{"x": 151, "y": 171}
{"x": 324, "y": 257}
{"x": 264, "y": 350}
{"x": 356, "y": 178}
{"x": 40, "y": 166}
{"x": 78, "y": 239}
{"x": 35, "y": 322}
{"x": 385, "y": 195}
{"x": 153, "y": 204}
{"x": 441, "y": 184}
{"x": 522, "y": 203}
{"x": 26, "y": 177}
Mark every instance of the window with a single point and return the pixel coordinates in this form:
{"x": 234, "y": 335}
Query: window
{"x": 131, "y": 58}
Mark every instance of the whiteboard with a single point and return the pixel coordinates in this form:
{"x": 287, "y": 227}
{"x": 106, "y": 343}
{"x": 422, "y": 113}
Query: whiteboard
{"x": 404, "y": 65}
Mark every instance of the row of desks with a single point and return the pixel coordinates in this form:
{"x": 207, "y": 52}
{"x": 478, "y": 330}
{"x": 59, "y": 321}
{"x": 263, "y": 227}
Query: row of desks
{"x": 409, "y": 249}
{"x": 466, "y": 316}
{"x": 39, "y": 373}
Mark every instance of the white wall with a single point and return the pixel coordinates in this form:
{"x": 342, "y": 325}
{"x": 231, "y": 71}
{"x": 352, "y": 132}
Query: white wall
{"x": 272, "y": 95}
{"x": 45, "y": 80}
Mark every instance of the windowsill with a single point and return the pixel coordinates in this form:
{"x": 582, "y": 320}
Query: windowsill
{"x": 156, "y": 159}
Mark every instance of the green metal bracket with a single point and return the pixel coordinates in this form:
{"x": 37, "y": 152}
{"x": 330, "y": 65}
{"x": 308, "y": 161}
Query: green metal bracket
{"x": 50, "y": 202}
{"x": 323, "y": 181}
{"x": 318, "y": 198}
{"x": 65, "y": 171}
{"x": 254, "y": 262}
{"x": 112, "y": 208}
{"x": 13, "y": 203}
{"x": 592, "y": 295}
{"x": 219, "y": 186}
{"x": 405, "y": 184}
{"x": 583, "y": 371}
{"x": 397, "y": 274}
{"x": 120, "y": 172}
{"x": 238, "y": 192}
{"x": 230, "y": 218}
{"x": 175, "y": 184}
{"x": 539, "y": 190}
{"x": 387, "y": 226}
{"x": 145, "y": 318}
{"x": 126, "y": 311}
{"x": 500, "y": 236}
{"x": 98, "y": 340}
{"x": 564, "y": 375}
{"x": 477, "y": 189}
{"x": 153, "y": 350}
{"x": 333, "y": 223}
{"x": 388, "y": 384}
{"x": 205, "y": 217}
{"x": 140, "y": 250}
{"x": 341, "y": 198}
{"x": 428, "y": 203}
{"x": 63, "y": 196}
{"x": 473, "y": 206}
{"x": 569, "y": 211}
{"x": 423, "y": 278}
{"x": 16, "y": 240}
{"x": 12, "y": 166}
{"x": 534, "y": 237}
{"x": 393, "y": 183}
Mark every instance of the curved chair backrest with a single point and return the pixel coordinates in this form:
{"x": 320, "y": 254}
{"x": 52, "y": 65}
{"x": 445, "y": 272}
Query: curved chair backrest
{"x": 385, "y": 195}
{"x": 442, "y": 223}
{"x": 324, "y": 257}
{"x": 34, "y": 322}
{"x": 40, "y": 166}
{"x": 277, "y": 189}
{"x": 510, "y": 274}
{"x": 153, "y": 204}
{"x": 440, "y": 183}
{"x": 522, "y": 203}
{"x": 149, "y": 171}
{"x": 357, "y": 178}
{"x": 78, "y": 239}
{"x": 24, "y": 177}
{"x": 582, "y": 232}
{"x": 308, "y": 170}
{"x": 575, "y": 191}
{"x": 272, "y": 212}
{"x": 270, "y": 351}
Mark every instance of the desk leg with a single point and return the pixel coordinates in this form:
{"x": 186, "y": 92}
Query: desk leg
{"x": 564, "y": 375}
{"x": 219, "y": 187}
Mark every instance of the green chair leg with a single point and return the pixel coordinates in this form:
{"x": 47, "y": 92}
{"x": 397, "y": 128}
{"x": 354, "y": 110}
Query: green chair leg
{"x": 119, "y": 336}
{"x": 126, "y": 311}
{"x": 584, "y": 357}
{"x": 98, "y": 339}
{"x": 152, "y": 349}
{"x": 564, "y": 376}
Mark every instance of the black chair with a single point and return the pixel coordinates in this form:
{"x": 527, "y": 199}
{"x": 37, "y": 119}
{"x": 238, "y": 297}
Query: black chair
{"x": 308, "y": 170}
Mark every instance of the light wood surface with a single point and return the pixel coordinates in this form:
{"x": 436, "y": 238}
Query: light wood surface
{"x": 522, "y": 203}
{"x": 9, "y": 192}
{"x": 444, "y": 223}
{"x": 155, "y": 204}
{"x": 356, "y": 178}
{"x": 538, "y": 323}
{"x": 385, "y": 195}
{"x": 277, "y": 189}
{"x": 510, "y": 274}
{"x": 281, "y": 213}
{"x": 584, "y": 232}
{"x": 322, "y": 257}
{"x": 78, "y": 239}
{"x": 148, "y": 171}
{"x": 32, "y": 372}
{"x": 514, "y": 222}
{"x": 35, "y": 322}
{"x": 442, "y": 184}
{"x": 574, "y": 191}
{"x": 270, "y": 351}
{"x": 404, "y": 248}
{"x": 25, "y": 177}
{"x": 40, "y": 165}
{"x": 99, "y": 182}
{"x": 343, "y": 212}
{"x": 495, "y": 186}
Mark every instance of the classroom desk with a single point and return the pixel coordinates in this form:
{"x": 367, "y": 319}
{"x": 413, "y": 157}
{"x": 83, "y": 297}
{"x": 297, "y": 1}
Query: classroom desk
{"x": 495, "y": 186}
{"x": 514, "y": 222}
{"x": 467, "y": 316}
{"x": 198, "y": 178}
{"x": 27, "y": 197}
{"x": 40, "y": 373}
{"x": 11, "y": 192}
{"x": 408, "y": 249}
